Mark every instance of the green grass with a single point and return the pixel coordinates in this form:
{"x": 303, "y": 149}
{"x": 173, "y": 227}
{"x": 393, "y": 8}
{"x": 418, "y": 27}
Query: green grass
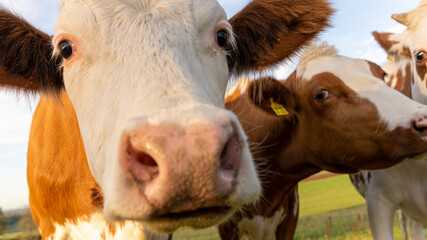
{"x": 326, "y": 195}
{"x": 20, "y": 236}
{"x": 341, "y": 224}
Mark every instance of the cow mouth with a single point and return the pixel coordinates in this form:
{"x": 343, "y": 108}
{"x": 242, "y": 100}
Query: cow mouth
{"x": 423, "y": 134}
{"x": 211, "y": 211}
{"x": 200, "y": 218}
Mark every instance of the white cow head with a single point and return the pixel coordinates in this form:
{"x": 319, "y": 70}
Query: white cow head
{"x": 415, "y": 38}
{"x": 147, "y": 79}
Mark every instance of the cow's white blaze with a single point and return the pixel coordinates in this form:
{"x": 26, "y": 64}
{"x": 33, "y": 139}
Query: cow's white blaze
{"x": 145, "y": 62}
{"x": 356, "y": 74}
{"x": 259, "y": 227}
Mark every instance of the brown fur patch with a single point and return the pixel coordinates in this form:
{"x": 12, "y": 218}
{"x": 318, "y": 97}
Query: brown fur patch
{"x": 15, "y": 81}
{"x": 268, "y": 31}
{"x": 421, "y": 71}
{"x": 60, "y": 182}
{"x": 97, "y": 198}
{"x": 26, "y": 56}
{"x": 404, "y": 81}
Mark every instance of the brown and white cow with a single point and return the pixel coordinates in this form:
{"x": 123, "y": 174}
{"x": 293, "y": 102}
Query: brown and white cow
{"x": 337, "y": 116}
{"x": 402, "y": 186}
{"x": 146, "y": 79}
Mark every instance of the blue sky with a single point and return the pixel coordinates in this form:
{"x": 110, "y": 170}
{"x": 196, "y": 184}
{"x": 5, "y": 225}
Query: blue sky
{"x": 351, "y": 34}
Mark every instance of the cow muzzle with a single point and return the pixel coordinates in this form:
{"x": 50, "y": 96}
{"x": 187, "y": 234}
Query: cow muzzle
{"x": 187, "y": 176}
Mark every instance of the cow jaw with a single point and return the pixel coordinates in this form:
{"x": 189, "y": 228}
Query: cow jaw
{"x": 128, "y": 81}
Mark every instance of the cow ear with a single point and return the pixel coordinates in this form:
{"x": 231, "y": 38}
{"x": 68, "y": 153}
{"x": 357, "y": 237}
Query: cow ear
{"x": 267, "y": 32}
{"x": 384, "y": 40}
{"x": 392, "y": 43}
{"x": 26, "y": 61}
{"x": 271, "y": 96}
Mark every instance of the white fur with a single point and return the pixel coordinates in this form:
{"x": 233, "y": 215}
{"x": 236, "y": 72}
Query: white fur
{"x": 356, "y": 74}
{"x": 149, "y": 62}
{"x": 95, "y": 227}
{"x": 261, "y": 228}
{"x": 402, "y": 186}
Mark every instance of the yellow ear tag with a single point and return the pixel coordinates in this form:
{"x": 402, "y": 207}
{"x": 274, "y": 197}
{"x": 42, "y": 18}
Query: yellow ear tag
{"x": 391, "y": 58}
{"x": 279, "y": 109}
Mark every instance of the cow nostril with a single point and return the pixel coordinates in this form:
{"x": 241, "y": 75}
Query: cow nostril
{"x": 141, "y": 157}
{"x": 230, "y": 154}
{"x": 140, "y": 165}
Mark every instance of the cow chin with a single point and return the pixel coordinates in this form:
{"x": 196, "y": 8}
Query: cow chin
{"x": 196, "y": 219}
{"x": 168, "y": 223}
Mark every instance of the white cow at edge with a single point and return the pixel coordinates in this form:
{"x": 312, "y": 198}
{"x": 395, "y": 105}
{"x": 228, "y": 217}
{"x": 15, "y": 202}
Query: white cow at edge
{"x": 403, "y": 186}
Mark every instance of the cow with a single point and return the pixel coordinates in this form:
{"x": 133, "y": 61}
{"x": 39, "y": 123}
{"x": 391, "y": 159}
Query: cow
{"x": 333, "y": 113}
{"x": 402, "y": 186}
{"x": 131, "y": 132}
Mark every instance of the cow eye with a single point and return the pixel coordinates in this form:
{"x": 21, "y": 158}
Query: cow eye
{"x": 66, "y": 49}
{"x": 322, "y": 95}
{"x": 420, "y": 56}
{"x": 222, "y": 38}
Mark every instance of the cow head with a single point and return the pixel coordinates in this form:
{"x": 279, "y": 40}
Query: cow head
{"x": 147, "y": 81}
{"x": 414, "y": 37}
{"x": 333, "y": 113}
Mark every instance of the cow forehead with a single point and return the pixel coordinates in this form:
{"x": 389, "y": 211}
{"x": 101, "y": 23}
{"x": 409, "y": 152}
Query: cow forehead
{"x": 150, "y": 40}
{"x": 322, "y": 58}
{"x": 355, "y": 73}
{"x": 119, "y": 15}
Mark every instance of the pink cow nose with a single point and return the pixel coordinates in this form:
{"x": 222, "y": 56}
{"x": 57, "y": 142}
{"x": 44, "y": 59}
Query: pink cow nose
{"x": 420, "y": 124}
{"x": 172, "y": 165}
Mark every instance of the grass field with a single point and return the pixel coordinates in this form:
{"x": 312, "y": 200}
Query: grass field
{"x": 330, "y": 209}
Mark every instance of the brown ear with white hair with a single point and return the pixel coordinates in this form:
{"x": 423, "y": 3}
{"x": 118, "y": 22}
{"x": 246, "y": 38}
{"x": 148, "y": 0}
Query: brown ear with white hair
{"x": 26, "y": 61}
{"x": 392, "y": 43}
{"x": 269, "y": 31}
